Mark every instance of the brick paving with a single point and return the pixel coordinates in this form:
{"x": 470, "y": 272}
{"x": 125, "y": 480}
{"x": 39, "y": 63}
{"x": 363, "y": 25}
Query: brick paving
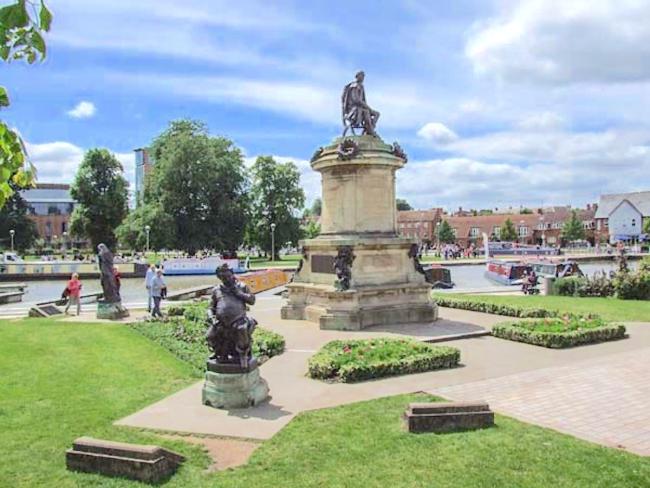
{"x": 604, "y": 400}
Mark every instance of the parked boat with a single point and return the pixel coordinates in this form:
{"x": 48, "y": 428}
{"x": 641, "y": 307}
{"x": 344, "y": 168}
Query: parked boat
{"x": 506, "y": 272}
{"x": 438, "y": 276}
{"x": 512, "y": 249}
{"x": 556, "y": 269}
{"x": 200, "y": 266}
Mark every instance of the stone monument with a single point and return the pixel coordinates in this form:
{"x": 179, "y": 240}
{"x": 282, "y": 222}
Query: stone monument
{"x": 232, "y": 379}
{"x": 359, "y": 272}
{"x": 110, "y": 306}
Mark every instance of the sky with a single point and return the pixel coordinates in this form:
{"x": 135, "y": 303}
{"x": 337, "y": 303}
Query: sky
{"x": 496, "y": 102}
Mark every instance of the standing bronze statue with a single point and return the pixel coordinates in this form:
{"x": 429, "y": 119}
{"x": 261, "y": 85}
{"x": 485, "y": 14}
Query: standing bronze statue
{"x": 356, "y": 113}
{"x": 230, "y": 330}
{"x": 110, "y": 306}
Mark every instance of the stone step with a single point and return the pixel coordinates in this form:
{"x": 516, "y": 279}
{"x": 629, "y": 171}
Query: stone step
{"x": 448, "y": 417}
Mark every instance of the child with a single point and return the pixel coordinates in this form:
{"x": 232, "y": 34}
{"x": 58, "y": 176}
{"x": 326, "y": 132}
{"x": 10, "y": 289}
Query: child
{"x": 73, "y": 290}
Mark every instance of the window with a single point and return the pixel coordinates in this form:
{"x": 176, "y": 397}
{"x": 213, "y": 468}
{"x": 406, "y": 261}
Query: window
{"x": 523, "y": 231}
{"x": 496, "y": 230}
{"x": 475, "y": 232}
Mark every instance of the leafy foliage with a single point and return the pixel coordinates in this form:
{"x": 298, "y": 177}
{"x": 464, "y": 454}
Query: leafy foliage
{"x": 402, "y": 204}
{"x": 573, "y": 230}
{"x": 276, "y": 198}
{"x": 311, "y": 230}
{"x": 184, "y": 336}
{"x": 132, "y": 231}
{"x": 13, "y": 216}
{"x": 566, "y": 331}
{"x": 598, "y": 285}
{"x": 100, "y": 189}
{"x": 446, "y": 233}
{"x": 508, "y": 231}
{"x": 198, "y": 190}
{"x": 359, "y": 360}
{"x": 21, "y": 37}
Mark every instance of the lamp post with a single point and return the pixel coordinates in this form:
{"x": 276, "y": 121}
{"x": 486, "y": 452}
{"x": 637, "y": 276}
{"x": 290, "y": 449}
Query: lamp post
{"x": 147, "y": 229}
{"x": 541, "y": 219}
{"x": 12, "y": 233}
{"x": 65, "y": 241}
{"x": 273, "y": 241}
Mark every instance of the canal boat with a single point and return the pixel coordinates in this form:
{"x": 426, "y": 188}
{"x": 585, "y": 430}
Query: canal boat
{"x": 506, "y": 272}
{"x": 200, "y": 265}
{"x": 512, "y": 249}
{"x": 556, "y": 269}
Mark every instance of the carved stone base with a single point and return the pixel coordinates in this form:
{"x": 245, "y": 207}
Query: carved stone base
{"x": 111, "y": 311}
{"x": 234, "y": 390}
{"x": 358, "y": 309}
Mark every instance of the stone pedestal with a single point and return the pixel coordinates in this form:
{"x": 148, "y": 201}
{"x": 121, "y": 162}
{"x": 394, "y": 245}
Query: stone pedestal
{"x": 111, "y": 311}
{"x": 358, "y": 180}
{"x": 233, "y": 387}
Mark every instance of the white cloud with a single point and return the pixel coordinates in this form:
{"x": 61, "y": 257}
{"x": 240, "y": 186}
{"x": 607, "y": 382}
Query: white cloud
{"x": 437, "y": 133}
{"x": 58, "y": 162}
{"x": 559, "y": 41}
{"x": 542, "y": 121}
{"x": 82, "y": 110}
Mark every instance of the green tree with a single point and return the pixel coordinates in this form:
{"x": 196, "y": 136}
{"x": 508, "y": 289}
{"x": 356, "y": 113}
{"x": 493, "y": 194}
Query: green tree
{"x": 14, "y": 216}
{"x": 446, "y": 233}
{"x": 508, "y": 231}
{"x": 22, "y": 24}
{"x": 646, "y": 225}
{"x": 199, "y": 181}
{"x": 311, "y": 230}
{"x": 402, "y": 204}
{"x": 132, "y": 231}
{"x": 317, "y": 207}
{"x": 525, "y": 211}
{"x": 100, "y": 189}
{"x": 276, "y": 198}
{"x": 573, "y": 230}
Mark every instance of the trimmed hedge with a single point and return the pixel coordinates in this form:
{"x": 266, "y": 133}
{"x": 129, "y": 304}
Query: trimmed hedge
{"x": 185, "y": 337}
{"x": 496, "y": 309}
{"x": 559, "y": 333}
{"x": 365, "y": 359}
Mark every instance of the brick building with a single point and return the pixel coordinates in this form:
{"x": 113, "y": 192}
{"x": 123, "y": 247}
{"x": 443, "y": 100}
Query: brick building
{"x": 420, "y": 224}
{"x": 50, "y": 207}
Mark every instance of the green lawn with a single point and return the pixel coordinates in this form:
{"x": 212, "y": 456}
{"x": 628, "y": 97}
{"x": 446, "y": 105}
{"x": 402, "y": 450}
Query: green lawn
{"x": 286, "y": 261}
{"x": 60, "y": 381}
{"x": 607, "y": 308}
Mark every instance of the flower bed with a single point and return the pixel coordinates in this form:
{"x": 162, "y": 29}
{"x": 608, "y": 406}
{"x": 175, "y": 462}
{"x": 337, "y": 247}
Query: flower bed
{"x": 567, "y": 331}
{"x": 184, "y": 336}
{"x": 359, "y": 360}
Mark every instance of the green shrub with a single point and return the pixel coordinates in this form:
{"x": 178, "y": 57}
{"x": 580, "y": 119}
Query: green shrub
{"x": 175, "y": 310}
{"x": 494, "y": 308}
{"x": 359, "y": 360}
{"x": 186, "y": 338}
{"x": 633, "y": 286}
{"x": 568, "y": 331}
{"x": 598, "y": 285}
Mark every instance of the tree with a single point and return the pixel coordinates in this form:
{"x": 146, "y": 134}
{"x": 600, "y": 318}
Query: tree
{"x": 573, "y": 230}
{"x": 508, "y": 231}
{"x": 646, "y": 226}
{"x": 525, "y": 211}
{"x": 402, "y": 204}
{"x": 13, "y": 216}
{"x": 311, "y": 230}
{"x": 317, "y": 207}
{"x": 100, "y": 189}
{"x": 132, "y": 231}
{"x": 276, "y": 198}
{"x": 199, "y": 181}
{"x": 446, "y": 233}
{"x": 21, "y": 37}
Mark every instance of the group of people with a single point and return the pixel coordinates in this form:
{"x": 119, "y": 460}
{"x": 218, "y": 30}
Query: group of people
{"x": 529, "y": 282}
{"x": 454, "y": 251}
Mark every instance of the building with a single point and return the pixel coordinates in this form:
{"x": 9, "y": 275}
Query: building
{"x": 621, "y": 216}
{"x": 551, "y": 220}
{"x": 420, "y": 224}
{"x": 50, "y": 207}
{"x": 143, "y": 165}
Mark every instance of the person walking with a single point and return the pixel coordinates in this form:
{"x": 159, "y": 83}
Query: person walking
{"x": 73, "y": 289}
{"x": 158, "y": 288}
{"x": 151, "y": 274}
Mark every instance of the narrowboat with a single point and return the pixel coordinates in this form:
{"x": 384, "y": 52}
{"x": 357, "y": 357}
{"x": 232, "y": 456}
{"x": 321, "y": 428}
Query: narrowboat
{"x": 200, "y": 266}
{"x": 506, "y": 272}
{"x": 556, "y": 269}
{"x": 511, "y": 249}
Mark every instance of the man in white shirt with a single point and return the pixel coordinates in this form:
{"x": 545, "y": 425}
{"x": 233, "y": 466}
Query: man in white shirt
{"x": 151, "y": 273}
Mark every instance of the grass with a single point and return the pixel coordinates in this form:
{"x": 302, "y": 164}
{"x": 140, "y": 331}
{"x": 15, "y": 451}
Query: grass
{"x": 285, "y": 261}
{"x": 358, "y": 360}
{"x": 607, "y": 308}
{"x": 60, "y": 381}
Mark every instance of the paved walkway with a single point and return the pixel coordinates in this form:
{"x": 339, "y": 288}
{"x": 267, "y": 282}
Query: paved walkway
{"x": 483, "y": 358}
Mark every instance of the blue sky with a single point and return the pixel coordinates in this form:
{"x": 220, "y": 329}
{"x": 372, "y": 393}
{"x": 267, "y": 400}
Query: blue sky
{"x": 497, "y": 103}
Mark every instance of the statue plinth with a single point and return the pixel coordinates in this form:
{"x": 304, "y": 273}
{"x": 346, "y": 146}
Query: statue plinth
{"x": 359, "y": 213}
{"x": 233, "y": 386}
{"x": 111, "y": 311}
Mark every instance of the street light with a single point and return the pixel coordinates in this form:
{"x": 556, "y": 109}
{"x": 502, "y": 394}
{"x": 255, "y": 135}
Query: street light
{"x": 147, "y": 229}
{"x": 273, "y": 241}
{"x": 12, "y": 233}
{"x": 65, "y": 241}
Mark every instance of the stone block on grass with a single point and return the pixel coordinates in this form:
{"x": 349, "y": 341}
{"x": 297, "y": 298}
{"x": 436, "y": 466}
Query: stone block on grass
{"x": 441, "y": 417}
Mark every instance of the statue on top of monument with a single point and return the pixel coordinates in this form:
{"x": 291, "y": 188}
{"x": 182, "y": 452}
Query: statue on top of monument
{"x": 355, "y": 111}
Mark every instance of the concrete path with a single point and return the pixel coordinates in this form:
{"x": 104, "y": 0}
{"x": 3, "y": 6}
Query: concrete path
{"x": 482, "y": 358}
